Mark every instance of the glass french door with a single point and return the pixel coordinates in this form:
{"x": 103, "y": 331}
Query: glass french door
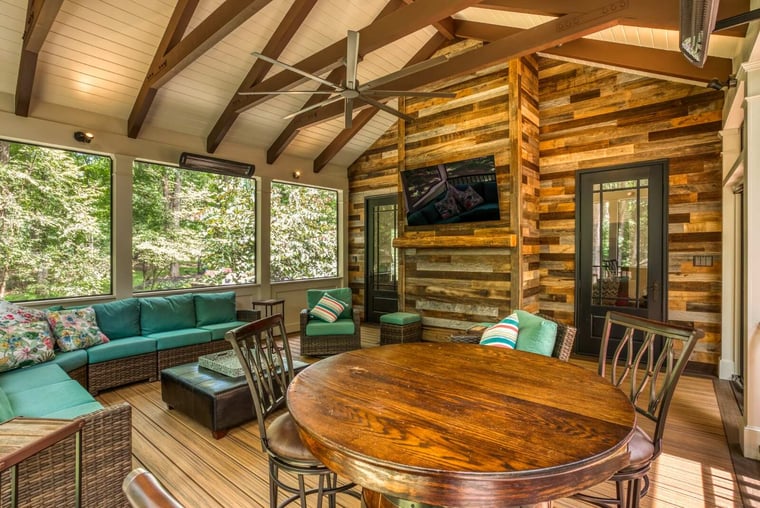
{"x": 621, "y": 251}
{"x": 381, "y": 294}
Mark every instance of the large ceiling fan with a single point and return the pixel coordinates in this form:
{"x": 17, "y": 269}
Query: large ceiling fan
{"x": 351, "y": 89}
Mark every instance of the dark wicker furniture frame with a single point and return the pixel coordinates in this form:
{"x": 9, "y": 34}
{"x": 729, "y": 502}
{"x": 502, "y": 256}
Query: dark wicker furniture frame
{"x": 398, "y": 334}
{"x": 323, "y": 345}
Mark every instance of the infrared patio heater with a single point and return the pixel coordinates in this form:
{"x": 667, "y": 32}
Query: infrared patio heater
{"x": 214, "y": 165}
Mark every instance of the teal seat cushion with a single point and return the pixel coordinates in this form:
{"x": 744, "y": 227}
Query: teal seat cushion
{"x": 219, "y": 329}
{"x": 343, "y": 294}
{"x": 122, "y": 348}
{"x": 6, "y": 411}
{"x": 75, "y": 411}
{"x": 399, "y": 318}
{"x": 213, "y": 308}
{"x": 32, "y": 377}
{"x": 165, "y": 313}
{"x": 180, "y": 338}
{"x": 70, "y": 360}
{"x": 119, "y": 319}
{"x": 316, "y": 327}
{"x": 44, "y": 400}
{"x": 536, "y": 334}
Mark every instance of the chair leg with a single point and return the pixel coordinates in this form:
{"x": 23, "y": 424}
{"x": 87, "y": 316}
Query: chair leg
{"x": 273, "y": 481}
{"x": 621, "y": 490}
{"x": 634, "y": 493}
{"x": 302, "y": 491}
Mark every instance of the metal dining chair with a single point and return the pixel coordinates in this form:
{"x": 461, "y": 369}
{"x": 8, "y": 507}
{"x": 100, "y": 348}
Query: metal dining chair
{"x": 649, "y": 376}
{"x": 267, "y": 362}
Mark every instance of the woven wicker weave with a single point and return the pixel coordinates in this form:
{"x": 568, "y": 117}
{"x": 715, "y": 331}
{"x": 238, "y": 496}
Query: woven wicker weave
{"x": 323, "y": 345}
{"x": 79, "y": 375}
{"x": 562, "y": 347}
{"x": 120, "y": 372}
{"x": 398, "y": 334}
{"x": 47, "y": 478}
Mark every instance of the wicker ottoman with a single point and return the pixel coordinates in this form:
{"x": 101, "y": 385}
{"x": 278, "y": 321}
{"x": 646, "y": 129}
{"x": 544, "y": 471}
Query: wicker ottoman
{"x": 400, "y": 327}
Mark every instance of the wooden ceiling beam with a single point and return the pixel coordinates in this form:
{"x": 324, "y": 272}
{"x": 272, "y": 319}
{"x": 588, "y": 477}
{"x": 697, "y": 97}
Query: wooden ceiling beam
{"x": 169, "y": 61}
{"x": 445, "y": 26}
{"x": 40, "y": 15}
{"x": 337, "y": 75}
{"x": 539, "y": 38}
{"x": 436, "y": 42}
{"x": 650, "y": 60}
{"x": 385, "y": 30}
{"x": 287, "y": 28}
{"x": 644, "y": 13}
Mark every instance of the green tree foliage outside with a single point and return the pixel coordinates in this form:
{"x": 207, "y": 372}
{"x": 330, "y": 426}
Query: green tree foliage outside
{"x": 55, "y": 223}
{"x": 304, "y": 232}
{"x": 191, "y": 229}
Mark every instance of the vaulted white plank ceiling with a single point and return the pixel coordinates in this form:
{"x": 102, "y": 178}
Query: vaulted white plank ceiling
{"x": 96, "y": 56}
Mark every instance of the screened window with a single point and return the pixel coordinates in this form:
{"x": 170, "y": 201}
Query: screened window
{"x": 55, "y": 223}
{"x": 304, "y": 232}
{"x": 191, "y": 229}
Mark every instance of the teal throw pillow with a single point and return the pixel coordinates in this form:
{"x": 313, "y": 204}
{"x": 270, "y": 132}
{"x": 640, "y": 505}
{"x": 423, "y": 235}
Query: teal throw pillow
{"x": 166, "y": 313}
{"x": 536, "y": 335}
{"x": 327, "y": 309}
{"x": 213, "y": 308}
{"x": 502, "y": 334}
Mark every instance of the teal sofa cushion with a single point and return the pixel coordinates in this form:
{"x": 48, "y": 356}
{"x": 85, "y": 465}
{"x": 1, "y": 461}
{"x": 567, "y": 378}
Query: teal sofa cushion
{"x": 343, "y": 294}
{"x": 180, "y": 338}
{"x": 119, "y": 319}
{"x": 44, "y": 400}
{"x": 70, "y": 360}
{"x": 218, "y": 330}
{"x": 536, "y": 334}
{"x": 32, "y": 377}
{"x": 75, "y": 411}
{"x": 165, "y": 313}
{"x": 6, "y": 411}
{"x": 317, "y": 327}
{"x": 122, "y": 348}
{"x": 213, "y": 308}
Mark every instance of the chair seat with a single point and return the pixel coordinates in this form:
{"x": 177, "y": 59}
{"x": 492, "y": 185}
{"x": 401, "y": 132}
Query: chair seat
{"x": 640, "y": 450}
{"x": 284, "y": 441}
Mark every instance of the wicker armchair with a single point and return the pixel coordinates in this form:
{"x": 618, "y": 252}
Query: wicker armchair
{"x": 562, "y": 347}
{"x": 323, "y": 345}
{"x": 47, "y": 478}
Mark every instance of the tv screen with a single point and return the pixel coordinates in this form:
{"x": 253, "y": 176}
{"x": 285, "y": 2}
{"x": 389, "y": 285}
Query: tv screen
{"x": 455, "y": 192}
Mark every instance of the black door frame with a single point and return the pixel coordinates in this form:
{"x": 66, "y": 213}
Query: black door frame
{"x": 659, "y": 309}
{"x": 372, "y": 314}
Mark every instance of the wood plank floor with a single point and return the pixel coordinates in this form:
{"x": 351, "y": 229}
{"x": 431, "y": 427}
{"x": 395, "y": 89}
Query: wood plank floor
{"x": 695, "y": 469}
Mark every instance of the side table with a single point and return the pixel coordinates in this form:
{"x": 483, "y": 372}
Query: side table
{"x": 269, "y": 306}
{"x": 20, "y": 438}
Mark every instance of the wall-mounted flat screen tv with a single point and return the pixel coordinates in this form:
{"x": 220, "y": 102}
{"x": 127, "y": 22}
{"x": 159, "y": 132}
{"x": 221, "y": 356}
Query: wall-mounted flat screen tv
{"x": 462, "y": 191}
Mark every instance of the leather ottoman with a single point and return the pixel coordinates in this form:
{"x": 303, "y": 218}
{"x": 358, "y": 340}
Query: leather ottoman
{"x": 212, "y": 399}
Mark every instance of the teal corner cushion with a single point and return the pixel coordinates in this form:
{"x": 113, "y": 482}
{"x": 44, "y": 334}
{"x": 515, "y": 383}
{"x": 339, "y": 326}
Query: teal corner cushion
{"x": 166, "y": 313}
{"x": 213, "y": 308}
{"x": 119, "y": 319}
{"x": 343, "y": 294}
{"x": 536, "y": 334}
{"x": 6, "y": 411}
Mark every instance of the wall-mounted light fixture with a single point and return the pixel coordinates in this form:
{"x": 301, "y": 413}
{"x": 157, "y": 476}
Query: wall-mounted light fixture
{"x": 717, "y": 84}
{"x": 84, "y": 137}
{"x": 214, "y": 165}
{"x": 297, "y": 174}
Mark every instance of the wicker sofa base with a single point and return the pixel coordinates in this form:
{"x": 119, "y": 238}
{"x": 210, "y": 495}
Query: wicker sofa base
{"x": 47, "y": 478}
{"x": 121, "y": 372}
{"x": 398, "y": 334}
{"x": 79, "y": 375}
{"x": 178, "y": 356}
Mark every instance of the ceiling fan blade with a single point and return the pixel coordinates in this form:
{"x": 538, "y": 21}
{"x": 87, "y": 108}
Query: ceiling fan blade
{"x": 314, "y": 106}
{"x": 405, "y": 93}
{"x": 348, "y": 112}
{"x": 387, "y": 109}
{"x": 296, "y": 70}
{"x": 412, "y": 69}
{"x": 291, "y": 92}
{"x": 352, "y": 59}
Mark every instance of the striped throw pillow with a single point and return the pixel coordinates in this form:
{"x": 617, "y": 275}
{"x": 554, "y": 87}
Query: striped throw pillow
{"x": 502, "y": 334}
{"x": 327, "y": 309}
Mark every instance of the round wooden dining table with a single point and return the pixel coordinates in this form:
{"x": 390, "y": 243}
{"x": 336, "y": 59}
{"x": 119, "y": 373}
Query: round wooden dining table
{"x": 461, "y": 425}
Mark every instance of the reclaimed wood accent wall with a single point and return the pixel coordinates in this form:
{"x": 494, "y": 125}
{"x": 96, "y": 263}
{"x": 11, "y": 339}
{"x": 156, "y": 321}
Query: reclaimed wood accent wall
{"x": 592, "y": 118}
{"x": 455, "y": 275}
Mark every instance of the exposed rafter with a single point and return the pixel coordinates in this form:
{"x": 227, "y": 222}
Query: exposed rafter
{"x": 539, "y": 38}
{"x": 385, "y": 30}
{"x": 288, "y": 27}
{"x": 435, "y": 43}
{"x": 169, "y": 61}
{"x": 40, "y": 15}
{"x": 654, "y": 61}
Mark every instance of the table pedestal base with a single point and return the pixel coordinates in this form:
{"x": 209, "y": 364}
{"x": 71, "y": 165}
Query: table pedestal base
{"x": 372, "y": 499}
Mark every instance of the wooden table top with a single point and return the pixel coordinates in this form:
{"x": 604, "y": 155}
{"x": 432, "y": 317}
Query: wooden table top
{"x": 461, "y": 424}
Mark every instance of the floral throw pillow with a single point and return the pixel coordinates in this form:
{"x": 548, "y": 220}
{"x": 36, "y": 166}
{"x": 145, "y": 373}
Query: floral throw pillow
{"x": 469, "y": 198}
{"x": 447, "y": 207}
{"x": 75, "y": 328}
{"x": 11, "y": 313}
{"x": 24, "y": 344}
